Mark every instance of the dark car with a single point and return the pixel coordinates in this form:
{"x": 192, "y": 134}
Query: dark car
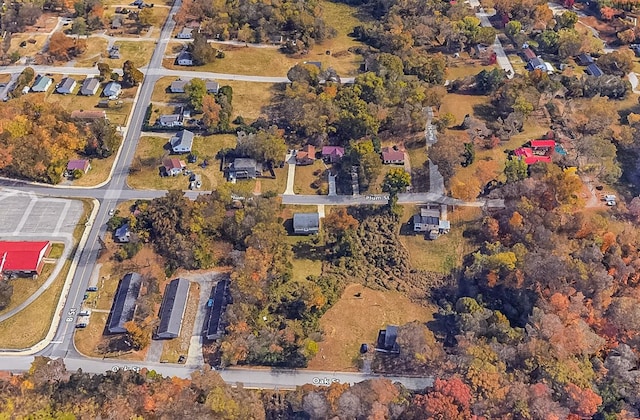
{"x": 92, "y": 289}
{"x": 81, "y": 325}
{"x": 364, "y": 347}
{"x": 182, "y": 359}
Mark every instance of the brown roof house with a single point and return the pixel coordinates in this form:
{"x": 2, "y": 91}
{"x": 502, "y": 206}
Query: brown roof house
{"x": 79, "y": 164}
{"x": 391, "y": 155}
{"x": 173, "y": 166}
{"x": 306, "y": 156}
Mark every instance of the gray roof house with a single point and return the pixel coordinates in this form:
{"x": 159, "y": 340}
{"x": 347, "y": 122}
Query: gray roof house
{"x": 124, "y": 303}
{"x": 122, "y": 234}
{"x": 66, "y": 86}
{"x": 212, "y": 86}
{"x": 185, "y": 59}
{"x": 386, "y": 342}
{"x": 306, "y": 223}
{"x": 171, "y": 120}
{"x": 429, "y": 220}
{"x": 112, "y": 89}
{"x": 89, "y": 86}
{"x": 42, "y": 84}
{"x": 594, "y": 70}
{"x": 185, "y": 33}
{"x": 536, "y": 64}
{"x": 174, "y": 303}
{"x": 244, "y": 168}
{"x": 182, "y": 142}
{"x": 218, "y": 303}
{"x": 177, "y": 86}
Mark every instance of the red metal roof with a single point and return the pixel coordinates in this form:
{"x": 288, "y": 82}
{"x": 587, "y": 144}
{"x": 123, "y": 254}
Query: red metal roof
{"x": 389, "y": 154}
{"x": 23, "y": 256}
{"x": 543, "y": 143}
{"x": 333, "y": 150}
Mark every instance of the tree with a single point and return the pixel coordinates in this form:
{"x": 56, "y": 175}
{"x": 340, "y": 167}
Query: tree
{"x": 450, "y": 399}
{"x": 146, "y": 17}
{"x": 138, "y": 336}
{"x": 196, "y": 90}
{"x": 264, "y": 146}
{"x": 396, "y": 181}
{"x": 105, "y": 71}
{"x": 201, "y": 51}
{"x": 131, "y": 76}
{"x": 6, "y": 291}
{"x": 627, "y": 36}
{"x": 446, "y": 153}
{"x": 79, "y": 26}
{"x": 569, "y": 43}
{"x": 489, "y": 81}
{"x": 304, "y": 73}
{"x": 210, "y": 112}
{"x": 515, "y": 169}
{"x": 103, "y": 139}
{"x": 60, "y": 46}
{"x": 566, "y": 20}
{"x": 618, "y": 63}
{"x": 512, "y": 28}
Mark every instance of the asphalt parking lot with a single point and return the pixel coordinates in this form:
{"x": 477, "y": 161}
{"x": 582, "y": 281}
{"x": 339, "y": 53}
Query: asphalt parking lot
{"x": 24, "y": 215}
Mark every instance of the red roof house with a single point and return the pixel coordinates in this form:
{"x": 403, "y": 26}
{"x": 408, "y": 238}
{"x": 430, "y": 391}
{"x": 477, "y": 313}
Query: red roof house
{"x": 81, "y": 164}
{"x": 306, "y": 155}
{"x": 23, "y": 257}
{"x": 173, "y": 166}
{"x": 391, "y": 155}
{"x": 543, "y": 144}
{"x": 332, "y": 153}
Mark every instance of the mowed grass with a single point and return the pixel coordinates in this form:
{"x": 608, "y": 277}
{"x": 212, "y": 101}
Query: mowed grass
{"x": 29, "y": 49}
{"x": 31, "y": 325}
{"x": 447, "y": 252}
{"x": 100, "y": 169}
{"x": 23, "y": 287}
{"x": 355, "y": 320}
{"x": 137, "y": 51}
{"x": 96, "y": 50}
{"x": 151, "y": 151}
{"x": 174, "y": 348}
{"x": 305, "y": 176}
{"x": 461, "y": 105}
{"x": 250, "y": 99}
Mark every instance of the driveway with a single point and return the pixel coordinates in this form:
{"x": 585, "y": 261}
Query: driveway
{"x": 291, "y": 174}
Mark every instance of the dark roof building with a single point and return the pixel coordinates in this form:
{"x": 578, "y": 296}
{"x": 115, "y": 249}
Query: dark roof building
{"x": 89, "y": 86}
{"x": 177, "y": 86}
{"x": 123, "y": 234}
{"x": 536, "y": 64}
{"x": 306, "y": 223}
{"x": 584, "y": 59}
{"x": 66, "y": 86}
{"x": 386, "y": 342}
{"x": 218, "y": 304}
{"x": 594, "y": 70}
{"x": 173, "y": 306}
{"x": 124, "y": 303}
{"x": 244, "y": 168}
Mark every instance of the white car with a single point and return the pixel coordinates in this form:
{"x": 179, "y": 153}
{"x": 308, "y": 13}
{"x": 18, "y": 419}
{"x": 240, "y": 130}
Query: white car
{"x": 112, "y": 212}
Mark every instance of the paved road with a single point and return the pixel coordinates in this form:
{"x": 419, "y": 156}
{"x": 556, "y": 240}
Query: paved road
{"x": 501, "y": 57}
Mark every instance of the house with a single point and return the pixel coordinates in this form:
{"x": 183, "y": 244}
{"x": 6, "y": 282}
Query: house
{"x": 528, "y": 54}
{"x": 122, "y": 234}
{"x": 306, "y": 223}
{"x": 177, "y": 86}
{"x": 244, "y": 168}
{"x": 23, "y": 258}
{"x": 116, "y": 22}
{"x": 89, "y": 86}
{"x": 536, "y": 64}
{"x": 171, "y": 120}
{"x": 429, "y": 220}
{"x": 306, "y": 155}
{"x": 88, "y": 115}
{"x": 114, "y": 52}
{"x": 212, "y": 86}
{"x": 185, "y": 33}
{"x": 391, "y": 155}
{"x": 332, "y": 153}
{"x": 124, "y": 303}
{"x": 78, "y": 164}
{"x": 66, "y": 86}
{"x": 594, "y": 70}
{"x": 276, "y": 39}
{"x": 539, "y": 151}
{"x": 174, "y": 303}
{"x": 112, "y": 90}
{"x": 42, "y": 84}
{"x": 386, "y": 342}
{"x": 182, "y": 142}
{"x": 185, "y": 59}
{"x": 218, "y": 304}
{"x": 173, "y": 166}
{"x": 584, "y": 59}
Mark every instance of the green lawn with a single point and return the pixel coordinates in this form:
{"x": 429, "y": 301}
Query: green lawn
{"x": 305, "y": 175}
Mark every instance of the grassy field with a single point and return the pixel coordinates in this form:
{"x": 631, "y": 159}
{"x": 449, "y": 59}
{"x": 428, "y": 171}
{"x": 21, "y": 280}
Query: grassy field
{"x": 99, "y": 172}
{"x": 305, "y": 176}
{"x": 250, "y": 99}
{"x": 355, "y": 320}
{"x": 25, "y": 287}
{"x": 96, "y": 49}
{"x": 461, "y": 105}
{"x": 445, "y": 253}
{"x": 461, "y": 69}
{"x": 305, "y": 262}
{"x": 29, "y": 49}
{"x": 137, "y": 51}
{"x": 31, "y": 325}
{"x": 149, "y": 155}
{"x": 161, "y": 94}
{"x": 173, "y": 349}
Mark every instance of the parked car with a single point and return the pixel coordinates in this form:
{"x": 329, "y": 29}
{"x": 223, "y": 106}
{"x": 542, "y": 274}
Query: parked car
{"x": 92, "y": 289}
{"x": 81, "y": 325}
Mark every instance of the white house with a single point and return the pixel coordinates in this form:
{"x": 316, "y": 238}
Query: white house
{"x": 182, "y": 142}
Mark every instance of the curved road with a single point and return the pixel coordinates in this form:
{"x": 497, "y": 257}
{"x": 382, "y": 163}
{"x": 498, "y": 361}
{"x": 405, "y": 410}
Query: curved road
{"x": 108, "y": 195}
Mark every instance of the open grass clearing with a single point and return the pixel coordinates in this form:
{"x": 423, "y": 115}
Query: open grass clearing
{"x": 96, "y": 50}
{"x": 151, "y": 151}
{"x": 250, "y": 99}
{"x": 176, "y": 347}
{"x": 23, "y": 287}
{"x": 356, "y": 318}
{"x": 461, "y": 105}
{"x": 307, "y": 255}
{"x": 161, "y": 91}
{"x": 30, "y": 48}
{"x": 447, "y": 252}
{"x": 137, "y": 51}
{"x": 31, "y": 325}
{"x": 306, "y": 175}
{"x": 464, "y": 68}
